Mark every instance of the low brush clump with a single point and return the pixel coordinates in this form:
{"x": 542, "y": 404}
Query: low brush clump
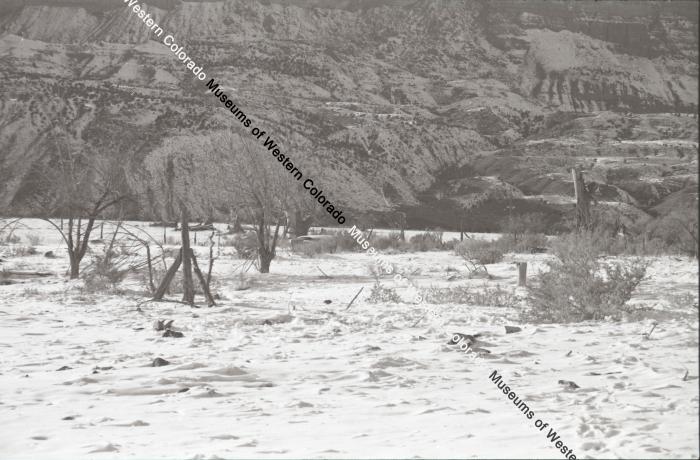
{"x": 312, "y": 249}
{"x": 381, "y": 294}
{"x": 33, "y": 239}
{"x": 241, "y": 283}
{"x": 581, "y": 285}
{"x": 486, "y": 296}
{"x": 10, "y": 238}
{"x": 428, "y": 241}
{"x": 481, "y": 251}
{"x": 106, "y": 271}
{"x": 345, "y": 242}
{"x": 491, "y": 252}
{"x": 19, "y": 251}
{"x": 393, "y": 241}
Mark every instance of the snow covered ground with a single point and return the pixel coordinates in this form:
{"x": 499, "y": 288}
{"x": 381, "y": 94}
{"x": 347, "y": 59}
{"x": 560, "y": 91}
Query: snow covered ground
{"x": 277, "y": 371}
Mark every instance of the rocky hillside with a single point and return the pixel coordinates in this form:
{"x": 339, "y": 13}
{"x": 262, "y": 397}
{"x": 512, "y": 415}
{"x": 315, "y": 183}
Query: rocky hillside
{"x": 429, "y": 106}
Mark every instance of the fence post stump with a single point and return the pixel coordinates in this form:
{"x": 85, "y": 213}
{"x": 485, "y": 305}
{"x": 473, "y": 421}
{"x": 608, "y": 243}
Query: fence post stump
{"x": 522, "y": 273}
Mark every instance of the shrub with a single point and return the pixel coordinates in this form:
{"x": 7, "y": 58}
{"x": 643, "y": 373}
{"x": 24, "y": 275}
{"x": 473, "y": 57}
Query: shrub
{"x": 176, "y": 285}
{"x": 481, "y": 251}
{"x": 241, "y": 283}
{"x": 382, "y": 294}
{"x": 19, "y": 251}
{"x": 581, "y": 286}
{"x": 490, "y": 297}
{"x": 392, "y": 241}
{"x": 11, "y": 238}
{"x": 345, "y": 242}
{"x": 530, "y": 242}
{"x": 104, "y": 272}
{"x": 450, "y": 245}
{"x": 428, "y": 241}
{"x": 314, "y": 248}
{"x": 376, "y": 271}
{"x": 246, "y": 245}
{"x": 171, "y": 252}
{"x": 34, "y": 240}
{"x": 518, "y": 225}
{"x": 227, "y": 241}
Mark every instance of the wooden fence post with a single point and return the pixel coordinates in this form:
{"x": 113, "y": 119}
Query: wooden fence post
{"x": 522, "y": 273}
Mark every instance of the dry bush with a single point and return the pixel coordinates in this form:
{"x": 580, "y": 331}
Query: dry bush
{"x": 10, "y": 238}
{"x": 450, "y": 245}
{"x": 377, "y": 271}
{"x": 346, "y": 243}
{"x": 481, "y": 251}
{"x": 227, "y": 241}
{"x": 486, "y": 296}
{"x": 528, "y": 243}
{"x": 18, "y": 251}
{"x": 105, "y": 272}
{"x": 518, "y": 225}
{"x": 315, "y": 247}
{"x": 381, "y": 294}
{"x": 176, "y": 285}
{"x": 246, "y": 245}
{"x": 241, "y": 283}
{"x": 391, "y": 241}
{"x": 580, "y": 285}
{"x": 428, "y": 241}
{"x": 33, "y": 239}
{"x": 7, "y": 231}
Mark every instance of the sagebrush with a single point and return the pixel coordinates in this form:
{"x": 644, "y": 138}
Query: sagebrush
{"x": 582, "y": 285}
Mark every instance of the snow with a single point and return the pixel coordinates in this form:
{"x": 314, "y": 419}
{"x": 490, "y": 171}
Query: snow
{"x": 318, "y": 381}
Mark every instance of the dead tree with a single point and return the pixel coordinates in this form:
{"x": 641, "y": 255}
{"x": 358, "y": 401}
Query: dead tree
{"x": 187, "y": 259}
{"x": 399, "y": 221}
{"x": 79, "y": 190}
{"x": 583, "y": 201}
{"x": 260, "y": 189}
{"x": 267, "y": 243}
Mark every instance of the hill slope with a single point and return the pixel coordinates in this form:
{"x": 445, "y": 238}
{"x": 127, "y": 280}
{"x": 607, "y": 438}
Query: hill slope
{"x": 376, "y": 99}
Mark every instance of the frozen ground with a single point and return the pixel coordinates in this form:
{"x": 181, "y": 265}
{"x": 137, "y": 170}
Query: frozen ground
{"x": 315, "y": 380}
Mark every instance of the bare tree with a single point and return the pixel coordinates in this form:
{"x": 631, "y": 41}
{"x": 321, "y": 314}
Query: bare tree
{"x": 259, "y": 188}
{"x": 302, "y": 211}
{"x": 79, "y": 189}
{"x": 583, "y": 195}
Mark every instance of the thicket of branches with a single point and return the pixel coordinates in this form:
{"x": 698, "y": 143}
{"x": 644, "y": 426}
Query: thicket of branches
{"x": 74, "y": 189}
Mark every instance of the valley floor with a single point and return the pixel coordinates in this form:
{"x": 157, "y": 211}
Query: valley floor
{"x": 274, "y": 371}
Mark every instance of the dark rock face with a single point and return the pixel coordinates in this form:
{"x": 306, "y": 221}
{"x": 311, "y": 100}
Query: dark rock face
{"x": 376, "y": 99}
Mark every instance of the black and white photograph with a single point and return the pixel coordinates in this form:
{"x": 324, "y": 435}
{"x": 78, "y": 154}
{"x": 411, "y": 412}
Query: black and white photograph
{"x": 349, "y": 229}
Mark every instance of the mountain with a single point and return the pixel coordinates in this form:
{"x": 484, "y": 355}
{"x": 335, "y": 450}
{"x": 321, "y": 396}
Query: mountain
{"x": 432, "y": 107}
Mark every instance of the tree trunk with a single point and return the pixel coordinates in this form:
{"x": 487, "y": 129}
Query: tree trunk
{"x": 202, "y": 281}
{"x": 235, "y": 226}
{"x": 583, "y": 201}
{"x": 402, "y": 223}
{"x": 522, "y": 273}
{"x": 187, "y": 284}
{"x": 169, "y": 275}
{"x": 265, "y": 261}
{"x": 150, "y": 268}
{"x": 74, "y": 266}
{"x": 301, "y": 224}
